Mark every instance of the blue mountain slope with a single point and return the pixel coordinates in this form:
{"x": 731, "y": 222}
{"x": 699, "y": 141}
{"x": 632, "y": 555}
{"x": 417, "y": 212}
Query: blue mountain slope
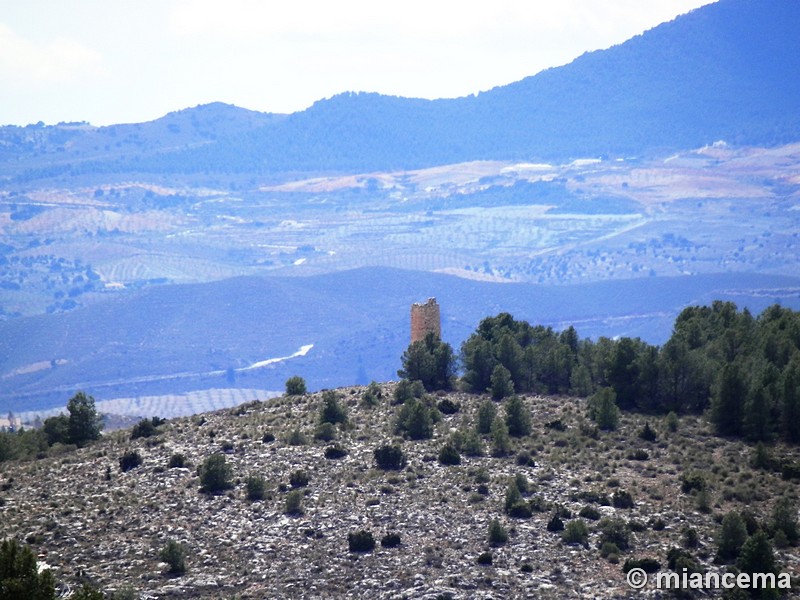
{"x": 357, "y": 320}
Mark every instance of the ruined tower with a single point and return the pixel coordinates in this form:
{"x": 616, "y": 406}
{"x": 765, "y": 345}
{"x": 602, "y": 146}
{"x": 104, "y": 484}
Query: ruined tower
{"x": 425, "y": 319}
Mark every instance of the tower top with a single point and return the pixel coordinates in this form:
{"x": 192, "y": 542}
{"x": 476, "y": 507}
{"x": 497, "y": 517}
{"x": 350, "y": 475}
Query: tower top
{"x": 425, "y": 319}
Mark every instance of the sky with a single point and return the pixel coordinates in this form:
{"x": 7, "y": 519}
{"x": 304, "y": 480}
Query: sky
{"x": 124, "y": 61}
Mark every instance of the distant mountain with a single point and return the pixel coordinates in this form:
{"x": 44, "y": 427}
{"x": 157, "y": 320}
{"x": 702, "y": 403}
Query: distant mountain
{"x": 177, "y": 338}
{"x": 729, "y": 70}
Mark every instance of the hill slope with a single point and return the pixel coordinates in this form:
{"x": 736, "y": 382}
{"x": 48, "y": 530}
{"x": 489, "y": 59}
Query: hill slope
{"x": 89, "y": 520}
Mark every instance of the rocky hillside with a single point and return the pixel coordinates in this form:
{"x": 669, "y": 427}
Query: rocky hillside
{"x": 88, "y": 519}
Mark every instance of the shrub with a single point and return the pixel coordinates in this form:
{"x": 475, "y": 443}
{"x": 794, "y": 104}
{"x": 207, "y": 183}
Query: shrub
{"x": 485, "y": 558}
{"x": 647, "y": 434}
{"x": 256, "y": 487}
{"x": 757, "y": 555}
{"x": 360, "y": 541}
{"x": 415, "y": 419}
{"x": 590, "y": 512}
{"x": 389, "y": 458}
{"x": 614, "y": 531}
{"x": 501, "y": 384}
{"x": 390, "y": 540}
{"x": 648, "y": 565}
{"x": 638, "y": 454}
{"x": 689, "y": 538}
{"x": 332, "y": 411}
{"x": 296, "y": 438}
{"x": 672, "y": 421}
{"x": 174, "y": 554}
{"x": 732, "y": 536}
{"x": 143, "y": 429}
{"x": 784, "y": 519}
{"x": 298, "y": 478}
{"x": 406, "y": 390}
{"x": 448, "y": 455}
{"x": 372, "y": 396}
{"x": 609, "y": 550}
{"x": 294, "y": 503}
{"x": 215, "y": 474}
{"x": 501, "y": 443}
{"x": 576, "y": 532}
{"x": 603, "y": 409}
{"x": 622, "y": 499}
{"x": 296, "y": 386}
{"x": 129, "y": 460}
{"x": 472, "y": 444}
{"x": 522, "y": 483}
{"x": 268, "y": 438}
{"x": 336, "y": 451}
{"x": 487, "y": 411}
{"x": 19, "y": 575}
{"x": 518, "y": 417}
{"x": 177, "y": 461}
{"x": 497, "y": 533}
{"x": 325, "y": 432}
{"x": 447, "y": 407}
{"x": 555, "y": 524}
{"x": 692, "y": 481}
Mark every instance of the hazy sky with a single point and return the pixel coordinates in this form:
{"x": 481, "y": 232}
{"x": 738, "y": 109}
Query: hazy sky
{"x": 114, "y": 61}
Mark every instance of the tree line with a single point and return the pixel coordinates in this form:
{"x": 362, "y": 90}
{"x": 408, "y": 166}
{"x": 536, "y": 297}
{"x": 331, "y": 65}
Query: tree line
{"x": 741, "y": 369}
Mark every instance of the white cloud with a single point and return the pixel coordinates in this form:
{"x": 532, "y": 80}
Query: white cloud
{"x": 56, "y": 61}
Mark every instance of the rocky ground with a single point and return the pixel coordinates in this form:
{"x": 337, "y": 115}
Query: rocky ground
{"x": 88, "y": 519}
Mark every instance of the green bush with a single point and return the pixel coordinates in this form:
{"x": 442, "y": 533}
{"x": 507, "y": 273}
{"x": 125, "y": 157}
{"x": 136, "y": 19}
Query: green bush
{"x": 448, "y": 455}
{"x": 372, "y": 395}
{"x": 360, "y": 541}
{"x": 487, "y": 411}
{"x": 603, "y": 409}
{"x": 296, "y": 438}
{"x": 501, "y": 443}
{"x": 590, "y": 512}
{"x": 298, "y": 478}
{"x": 332, "y": 411}
{"x": 146, "y": 428}
{"x": 177, "y": 461}
{"x": 576, "y": 532}
{"x": 622, "y": 499}
{"x": 447, "y": 407}
{"x": 325, "y": 432}
{"x": 389, "y": 458}
{"x": 485, "y": 558}
{"x": 174, "y": 554}
{"x": 215, "y": 474}
{"x": 336, "y": 451}
{"x": 256, "y": 488}
{"x": 87, "y": 592}
{"x": 472, "y": 444}
{"x": 19, "y": 575}
{"x": 501, "y": 384}
{"x": 555, "y": 524}
{"x": 497, "y": 533}
{"x": 415, "y": 419}
{"x": 648, "y": 565}
{"x": 406, "y": 390}
{"x": 296, "y": 386}
{"x": 518, "y": 417}
{"x": 390, "y": 540}
{"x": 294, "y": 503}
{"x": 614, "y": 531}
{"x": 732, "y": 536}
{"x": 129, "y": 460}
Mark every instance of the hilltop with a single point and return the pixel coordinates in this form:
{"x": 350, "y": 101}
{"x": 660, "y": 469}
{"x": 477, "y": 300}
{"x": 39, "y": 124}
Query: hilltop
{"x": 89, "y": 520}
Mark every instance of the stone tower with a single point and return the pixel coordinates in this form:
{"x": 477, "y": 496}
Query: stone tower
{"x": 425, "y": 319}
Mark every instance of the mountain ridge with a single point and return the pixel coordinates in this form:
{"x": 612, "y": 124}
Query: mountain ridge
{"x": 728, "y": 70}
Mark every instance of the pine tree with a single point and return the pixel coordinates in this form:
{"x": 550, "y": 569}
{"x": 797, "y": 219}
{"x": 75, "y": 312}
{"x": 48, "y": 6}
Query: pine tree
{"x": 502, "y": 385}
{"x": 603, "y": 409}
{"x": 518, "y": 418}
{"x": 19, "y": 576}
{"x": 731, "y": 537}
{"x": 501, "y": 443}
{"x": 486, "y": 414}
{"x": 790, "y": 414}
{"x": 84, "y": 423}
{"x": 727, "y": 404}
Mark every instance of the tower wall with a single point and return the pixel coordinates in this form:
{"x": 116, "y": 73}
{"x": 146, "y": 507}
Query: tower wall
{"x": 425, "y": 318}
